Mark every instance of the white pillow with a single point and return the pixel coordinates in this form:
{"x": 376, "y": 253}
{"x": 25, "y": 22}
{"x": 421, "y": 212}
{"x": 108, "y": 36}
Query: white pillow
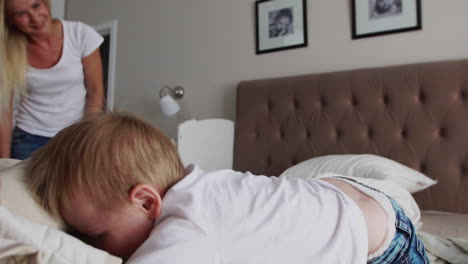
{"x": 36, "y": 243}
{"x": 6, "y": 163}
{"x": 27, "y": 226}
{"x": 364, "y": 166}
{"x": 15, "y": 195}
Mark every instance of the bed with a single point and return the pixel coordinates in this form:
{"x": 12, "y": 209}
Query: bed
{"x": 413, "y": 114}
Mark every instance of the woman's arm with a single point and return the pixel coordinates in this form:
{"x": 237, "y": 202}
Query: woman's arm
{"x": 92, "y": 66}
{"x": 6, "y": 126}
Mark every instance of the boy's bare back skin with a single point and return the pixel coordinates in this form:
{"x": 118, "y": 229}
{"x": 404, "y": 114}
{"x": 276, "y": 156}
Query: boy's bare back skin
{"x": 375, "y": 215}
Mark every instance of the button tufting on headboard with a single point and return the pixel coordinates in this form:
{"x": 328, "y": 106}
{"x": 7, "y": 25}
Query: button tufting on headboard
{"x": 415, "y": 114}
{"x": 462, "y": 95}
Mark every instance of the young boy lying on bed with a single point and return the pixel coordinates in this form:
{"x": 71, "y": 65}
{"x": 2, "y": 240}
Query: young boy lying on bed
{"x": 120, "y": 184}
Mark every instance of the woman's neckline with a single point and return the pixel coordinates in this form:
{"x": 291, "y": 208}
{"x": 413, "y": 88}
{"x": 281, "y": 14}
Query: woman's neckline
{"x": 62, "y": 28}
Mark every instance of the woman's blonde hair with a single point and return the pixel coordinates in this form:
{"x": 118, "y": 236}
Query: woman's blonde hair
{"x": 104, "y": 155}
{"x": 13, "y": 58}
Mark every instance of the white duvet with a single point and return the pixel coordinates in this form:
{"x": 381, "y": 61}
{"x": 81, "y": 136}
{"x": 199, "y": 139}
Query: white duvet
{"x": 445, "y": 250}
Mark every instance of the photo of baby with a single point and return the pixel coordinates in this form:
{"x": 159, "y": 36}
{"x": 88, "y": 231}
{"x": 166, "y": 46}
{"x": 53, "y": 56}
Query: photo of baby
{"x": 281, "y": 22}
{"x": 384, "y": 8}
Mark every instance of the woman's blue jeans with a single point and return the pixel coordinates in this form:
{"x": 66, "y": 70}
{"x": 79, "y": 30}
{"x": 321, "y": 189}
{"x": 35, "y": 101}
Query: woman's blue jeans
{"x": 24, "y": 144}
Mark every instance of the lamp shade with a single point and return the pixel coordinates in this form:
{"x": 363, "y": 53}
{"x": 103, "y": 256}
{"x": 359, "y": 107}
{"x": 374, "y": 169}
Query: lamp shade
{"x": 168, "y": 105}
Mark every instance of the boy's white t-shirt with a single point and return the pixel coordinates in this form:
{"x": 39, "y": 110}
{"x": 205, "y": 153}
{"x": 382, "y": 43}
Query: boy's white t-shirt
{"x": 56, "y": 97}
{"x": 232, "y": 217}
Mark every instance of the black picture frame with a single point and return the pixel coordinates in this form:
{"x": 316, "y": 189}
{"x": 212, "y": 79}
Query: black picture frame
{"x": 280, "y": 25}
{"x": 370, "y": 19}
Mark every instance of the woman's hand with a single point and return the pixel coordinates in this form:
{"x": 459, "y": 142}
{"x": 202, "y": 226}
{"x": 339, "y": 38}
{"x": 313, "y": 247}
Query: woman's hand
{"x": 92, "y": 66}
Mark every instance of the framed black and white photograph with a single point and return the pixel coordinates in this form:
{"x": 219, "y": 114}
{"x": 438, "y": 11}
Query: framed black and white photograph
{"x": 280, "y": 25}
{"x": 379, "y": 17}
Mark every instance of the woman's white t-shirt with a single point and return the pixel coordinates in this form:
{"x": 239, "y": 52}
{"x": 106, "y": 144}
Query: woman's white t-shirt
{"x": 56, "y": 97}
{"x": 232, "y": 217}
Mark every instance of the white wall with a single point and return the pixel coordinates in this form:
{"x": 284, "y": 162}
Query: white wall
{"x": 58, "y": 8}
{"x": 208, "y": 46}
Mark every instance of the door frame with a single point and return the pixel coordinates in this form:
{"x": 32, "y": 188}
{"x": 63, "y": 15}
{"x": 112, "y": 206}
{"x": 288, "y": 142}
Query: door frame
{"x": 109, "y": 29}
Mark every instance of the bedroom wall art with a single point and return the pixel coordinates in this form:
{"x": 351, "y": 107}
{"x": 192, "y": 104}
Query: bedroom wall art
{"x": 378, "y": 17}
{"x": 280, "y": 25}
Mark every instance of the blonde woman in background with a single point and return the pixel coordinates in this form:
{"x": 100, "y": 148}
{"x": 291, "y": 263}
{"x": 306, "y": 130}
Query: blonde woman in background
{"x": 54, "y": 68}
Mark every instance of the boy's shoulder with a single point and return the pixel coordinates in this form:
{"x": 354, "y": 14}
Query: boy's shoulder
{"x": 195, "y": 176}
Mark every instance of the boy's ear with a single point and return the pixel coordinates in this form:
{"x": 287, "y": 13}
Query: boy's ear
{"x": 147, "y": 198}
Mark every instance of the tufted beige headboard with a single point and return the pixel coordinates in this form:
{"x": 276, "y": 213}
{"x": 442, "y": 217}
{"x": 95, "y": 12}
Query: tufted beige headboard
{"x": 415, "y": 114}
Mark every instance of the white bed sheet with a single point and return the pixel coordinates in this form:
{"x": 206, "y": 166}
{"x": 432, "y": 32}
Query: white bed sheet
{"x": 445, "y": 225}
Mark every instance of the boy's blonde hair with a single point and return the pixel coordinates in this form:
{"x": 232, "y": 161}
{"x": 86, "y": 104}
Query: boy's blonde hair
{"x": 13, "y": 58}
{"x": 104, "y": 155}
